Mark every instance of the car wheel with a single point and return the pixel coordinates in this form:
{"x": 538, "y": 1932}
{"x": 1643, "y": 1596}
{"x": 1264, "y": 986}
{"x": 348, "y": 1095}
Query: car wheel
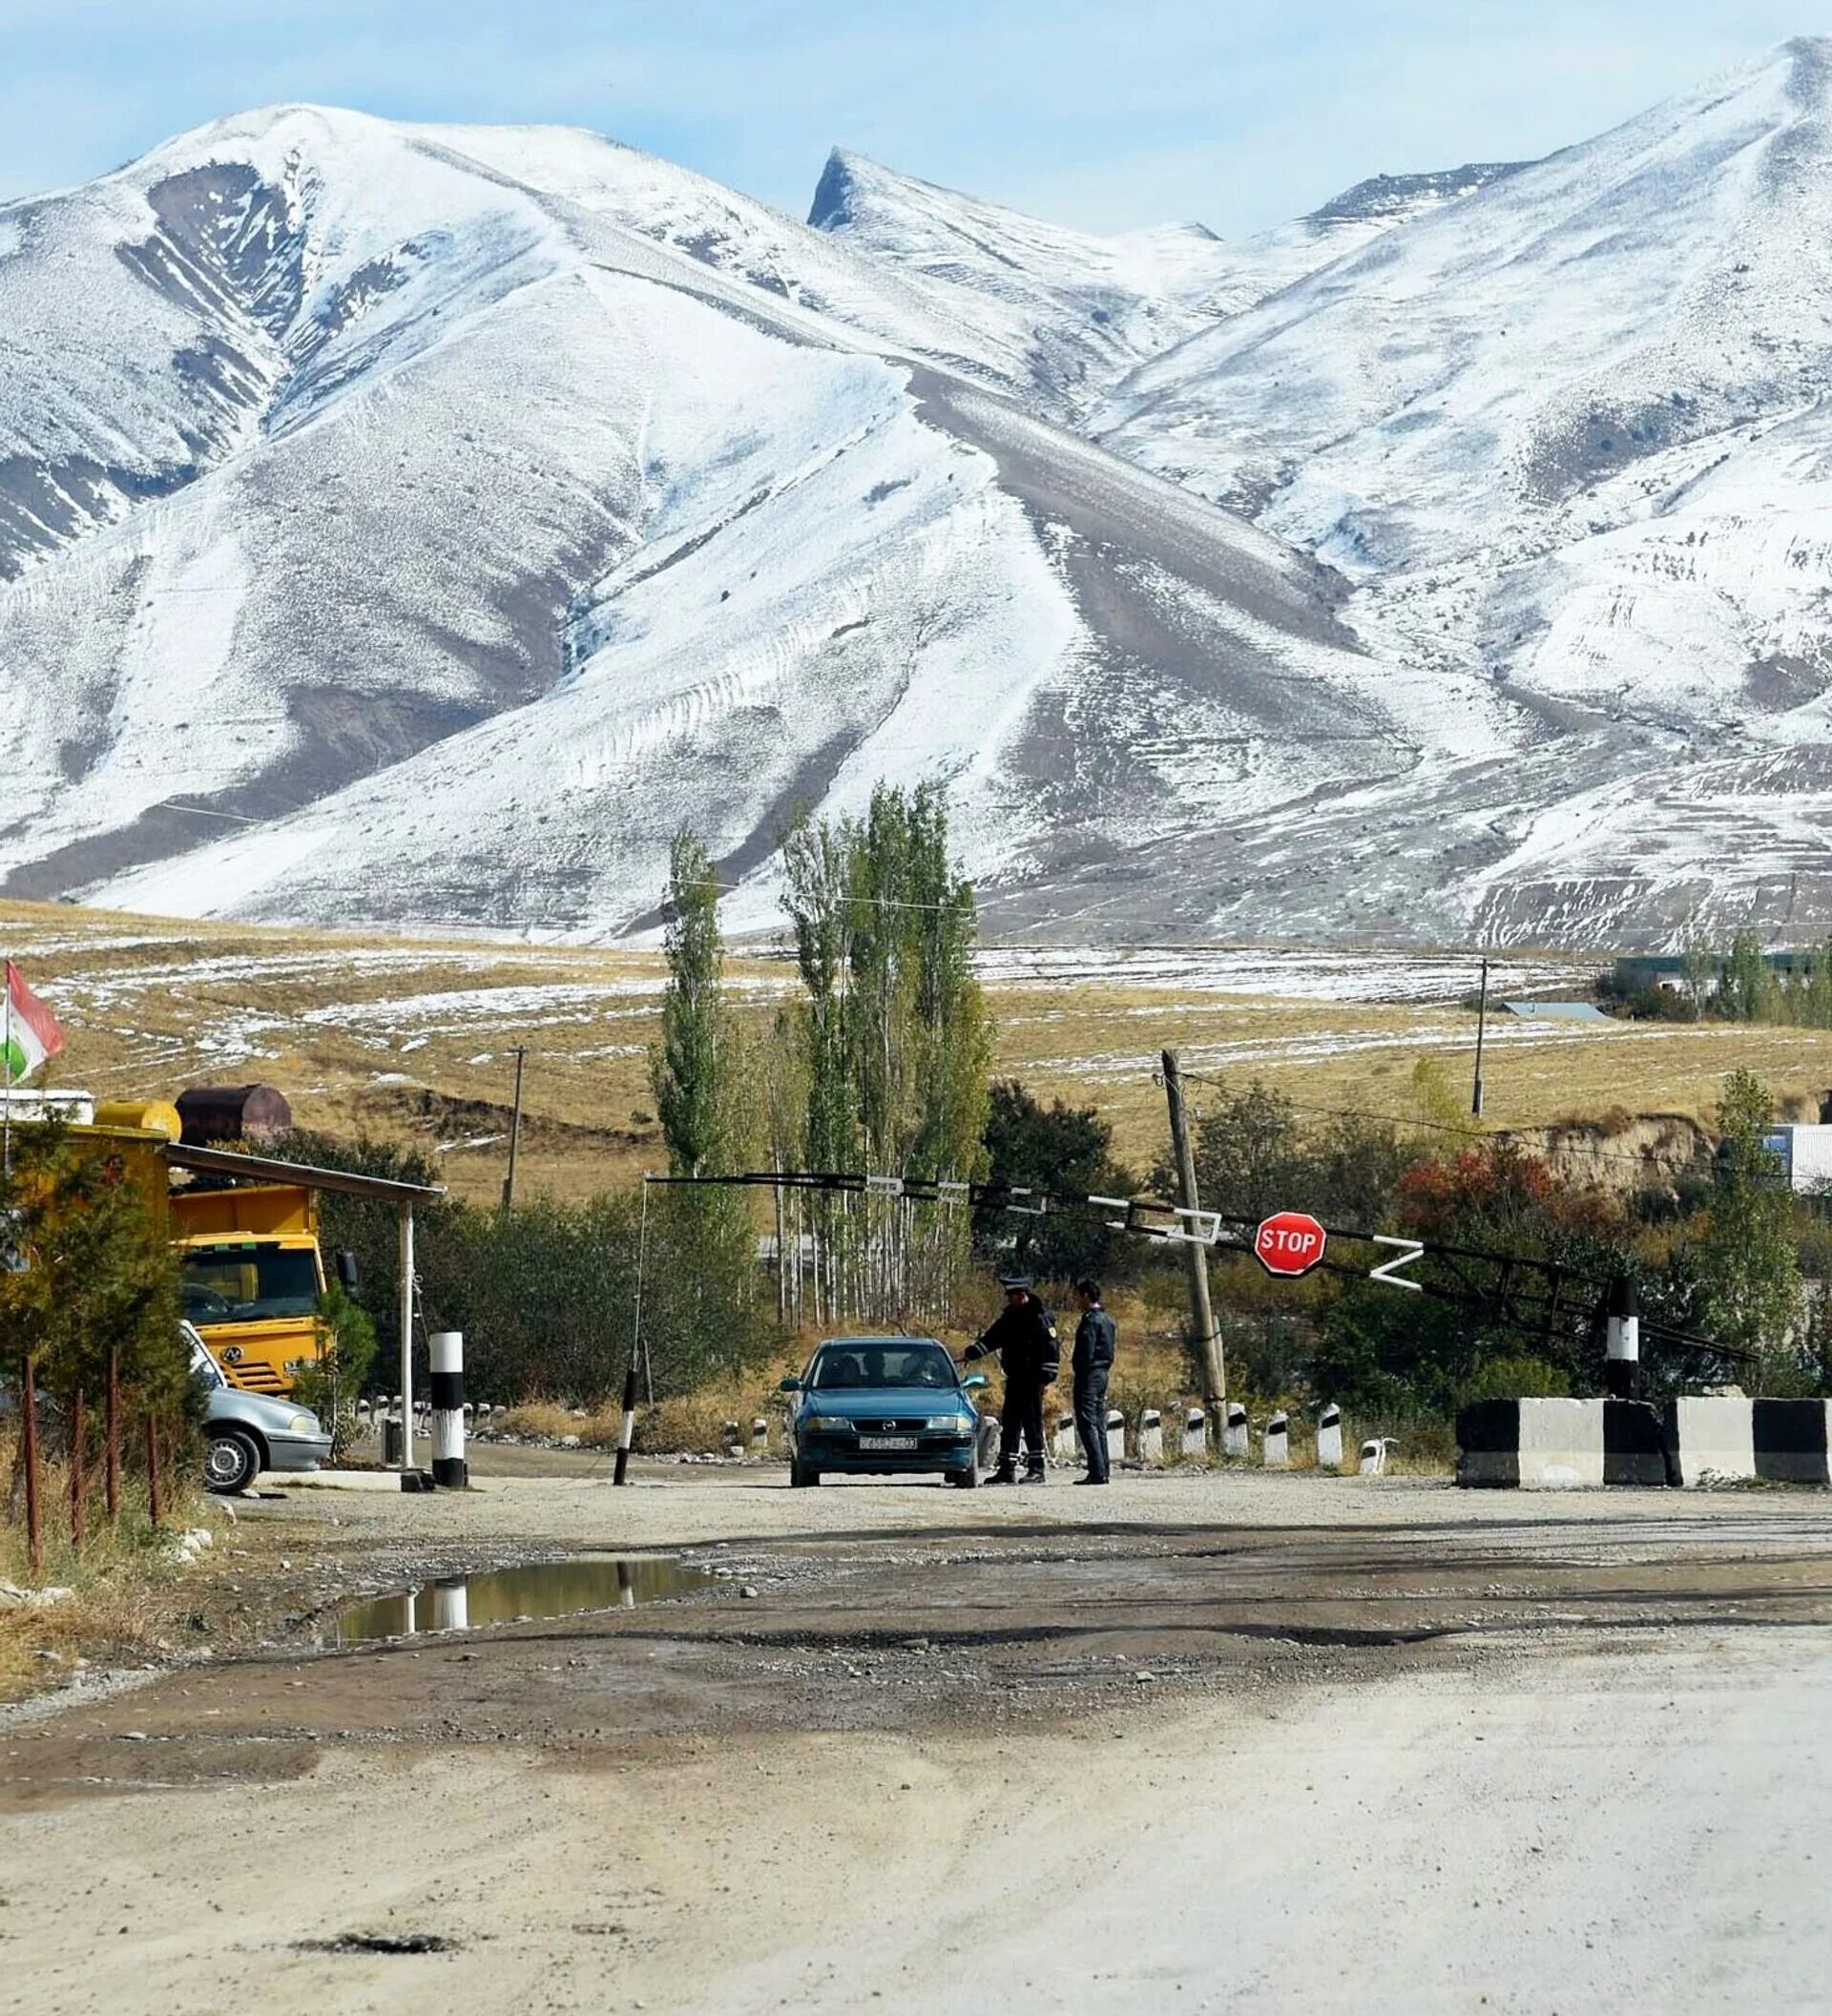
{"x": 966, "y": 1480}
{"x": 800, "y": 1476}
{"x": 231, "y": 1462}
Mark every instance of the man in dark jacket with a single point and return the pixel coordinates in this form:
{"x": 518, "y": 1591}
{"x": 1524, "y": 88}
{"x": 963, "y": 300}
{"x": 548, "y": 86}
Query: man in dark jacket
{"x": 1095, "y": 1341}
{"x": 1024, "y": 1336}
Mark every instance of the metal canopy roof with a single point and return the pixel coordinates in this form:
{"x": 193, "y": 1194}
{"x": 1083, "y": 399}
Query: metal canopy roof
{"x": 267, "y": 1169}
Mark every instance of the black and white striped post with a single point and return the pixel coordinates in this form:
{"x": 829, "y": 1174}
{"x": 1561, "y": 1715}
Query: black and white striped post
{"x": 627, "y": 1433}
{"x": 1622, "y": 1346}
{"x": 446, "y": 1349}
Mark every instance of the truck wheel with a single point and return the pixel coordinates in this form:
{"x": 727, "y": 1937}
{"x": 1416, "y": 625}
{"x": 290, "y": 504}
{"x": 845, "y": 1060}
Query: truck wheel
{"x": 231, "y": 1462}
{"x": 800, "y": 1476}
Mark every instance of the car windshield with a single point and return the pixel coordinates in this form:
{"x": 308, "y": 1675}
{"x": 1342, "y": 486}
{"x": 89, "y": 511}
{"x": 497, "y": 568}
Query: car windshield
{"x": 248, "y": 1284}
{"x": 921, "y": 1364}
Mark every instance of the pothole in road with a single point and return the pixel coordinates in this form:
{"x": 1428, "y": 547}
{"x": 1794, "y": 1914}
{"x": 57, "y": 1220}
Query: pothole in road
{"x": 513, "y": 1595}
{"x": 380, "y": 1942}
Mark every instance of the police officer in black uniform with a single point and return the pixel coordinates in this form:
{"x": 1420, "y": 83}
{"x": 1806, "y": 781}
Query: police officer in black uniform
{"x": 1024, "y": 1336}
{"x": 1096, "y": 1338}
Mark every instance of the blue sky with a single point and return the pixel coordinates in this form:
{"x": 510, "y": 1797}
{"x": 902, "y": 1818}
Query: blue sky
{"x": 1102, "y": 112}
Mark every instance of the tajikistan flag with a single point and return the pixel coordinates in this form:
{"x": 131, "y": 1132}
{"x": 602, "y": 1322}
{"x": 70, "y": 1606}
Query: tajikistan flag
{"x": 29, "y": 1031}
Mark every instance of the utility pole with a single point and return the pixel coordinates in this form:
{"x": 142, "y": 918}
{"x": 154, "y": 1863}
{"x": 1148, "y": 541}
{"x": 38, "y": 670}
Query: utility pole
{"x": 1482, "y": 1025}
{"x": 514, "y": 1131}
{"x": 1208, "y": 1341}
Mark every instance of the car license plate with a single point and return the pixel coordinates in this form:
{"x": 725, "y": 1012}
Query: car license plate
{"x": 886, "y": 1441}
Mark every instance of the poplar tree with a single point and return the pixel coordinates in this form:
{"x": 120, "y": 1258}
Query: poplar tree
{"x": 895, "y": 1040}
{"x": 699, "y": 1071}
{"x": 691, "y": 1068}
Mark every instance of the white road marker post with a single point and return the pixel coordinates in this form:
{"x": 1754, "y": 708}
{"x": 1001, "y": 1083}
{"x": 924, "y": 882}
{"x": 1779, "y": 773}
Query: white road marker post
{"x": 1275, "y": 1447}
{"x": 1196, "y": 1432}
{"x": 1329, "y": 1437}
{"x": 1116, "y": 1435}
{"x": 449, "y": 1470}
{"x": 1233, "y": 1436}
{"x": 1151, "y": 1436}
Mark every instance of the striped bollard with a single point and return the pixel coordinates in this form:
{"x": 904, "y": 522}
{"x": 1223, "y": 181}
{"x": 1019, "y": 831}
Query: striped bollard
{"x": 1622, "y": 1341}
{"x": 1116, "y": 1435}
{"x": 627, "y": 1433}
{"x": 1374, "y": 1457}
{"x": 731, "y": 1442}
{"x": 1151, "y": 1437}
{"x": 760, "y": 1436}
{"x": 1196, "y": 1432}
{"x": 450, "y": 1470}
{"x": 1233, "y": 1436}
{"x": 1062, "y": 1443}
{"x": 1329, "y": 1438}
{"x": 1274, "y": 1447}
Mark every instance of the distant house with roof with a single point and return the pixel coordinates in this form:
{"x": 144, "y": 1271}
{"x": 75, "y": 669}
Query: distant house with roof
{"x": 1635, "y": 972}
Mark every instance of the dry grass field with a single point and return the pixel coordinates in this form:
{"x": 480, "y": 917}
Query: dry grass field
{"x": 411, "y": 1039}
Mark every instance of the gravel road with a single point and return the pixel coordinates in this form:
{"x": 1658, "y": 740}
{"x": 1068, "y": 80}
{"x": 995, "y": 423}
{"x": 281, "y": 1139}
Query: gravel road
{"x": 1197, "y": 1743}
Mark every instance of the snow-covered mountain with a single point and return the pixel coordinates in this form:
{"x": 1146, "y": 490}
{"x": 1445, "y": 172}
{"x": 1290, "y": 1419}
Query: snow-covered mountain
{"x": 421, "y": 522}
{"x": 1569, "y": 438}
{"x": 424, "y": 523}
{"x": 1090, "y": 307}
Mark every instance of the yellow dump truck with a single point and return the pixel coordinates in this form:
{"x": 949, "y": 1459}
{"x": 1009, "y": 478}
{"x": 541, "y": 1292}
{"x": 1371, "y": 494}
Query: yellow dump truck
{"x": 250, "y": 1270}
{"x": 251, "y": 1274}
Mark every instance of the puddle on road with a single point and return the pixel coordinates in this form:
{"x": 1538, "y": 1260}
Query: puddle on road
{"x": 503, "y": 1595}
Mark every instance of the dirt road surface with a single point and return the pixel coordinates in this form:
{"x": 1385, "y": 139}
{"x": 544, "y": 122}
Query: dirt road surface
{"x": 1199, "y": 1742}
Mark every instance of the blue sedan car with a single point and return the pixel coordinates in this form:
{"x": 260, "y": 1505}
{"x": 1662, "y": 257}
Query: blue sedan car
{"x": 882, "y": 1406}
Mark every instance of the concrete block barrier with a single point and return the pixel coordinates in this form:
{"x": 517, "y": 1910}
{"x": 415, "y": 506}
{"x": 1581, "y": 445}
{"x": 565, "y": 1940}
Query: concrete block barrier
{"x": 1740, "y": 1441}
{"x": 1151, "y": 1436}
{"x": 1560, "y": 1445}
{"x": 1329, "y": 1437}
{"x": 1196, "y": 1432}
{"x": 1116, "y": 1435}
{"x": 1234, "y": 1432}
{"x": 1275, "y": 1447}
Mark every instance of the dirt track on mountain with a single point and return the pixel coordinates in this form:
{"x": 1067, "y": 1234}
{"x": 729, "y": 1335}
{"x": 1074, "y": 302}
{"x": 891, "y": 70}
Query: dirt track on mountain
{"x": 1156, "y": 1713}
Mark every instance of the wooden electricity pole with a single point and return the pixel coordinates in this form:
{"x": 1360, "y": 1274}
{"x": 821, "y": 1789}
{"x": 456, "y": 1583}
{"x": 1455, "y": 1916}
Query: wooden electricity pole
{"x": 514, "y": 1132}
{"x": 1482, "y": 1030}
{"x": 1208, "y": 1340}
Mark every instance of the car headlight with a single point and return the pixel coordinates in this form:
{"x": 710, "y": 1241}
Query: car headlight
{"x": 302, "y": 1425}
{"x": 952, "y": 1424}
{"x": 820, "y": 1421}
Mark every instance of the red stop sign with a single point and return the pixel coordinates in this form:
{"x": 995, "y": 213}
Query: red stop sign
{"x": 1289, "y": 1243}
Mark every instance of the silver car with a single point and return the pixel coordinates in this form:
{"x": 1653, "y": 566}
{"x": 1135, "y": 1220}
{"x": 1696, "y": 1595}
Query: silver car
{"x": 247, "y": 1433}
